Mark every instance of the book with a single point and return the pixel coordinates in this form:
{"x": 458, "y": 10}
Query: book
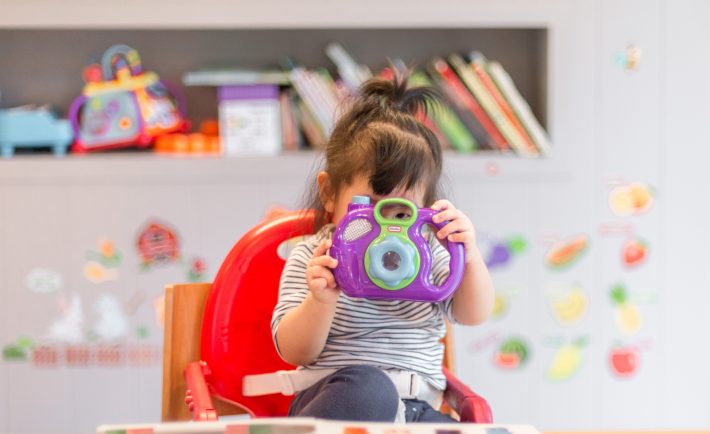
{"x": 480, "y": 93}
{"x": 446, "y": 121}
{"x": 478, "y": 63}
{"x": 352, "y": 73}
{"x": 311, "y": 129}
{"x": 467, "y": 107}
{"x": 318, "y": 94}
{"x": 292, "y": 139}
{"x": 234, "y": 76}
{"x": 519, "y": 105}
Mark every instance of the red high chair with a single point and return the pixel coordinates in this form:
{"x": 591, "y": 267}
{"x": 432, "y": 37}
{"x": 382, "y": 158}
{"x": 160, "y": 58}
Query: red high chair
{"x": 217, "y": 334}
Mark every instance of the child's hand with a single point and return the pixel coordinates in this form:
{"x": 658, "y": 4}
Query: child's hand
{"x": 320, "y": 279}
{"x": 459, "y": 229}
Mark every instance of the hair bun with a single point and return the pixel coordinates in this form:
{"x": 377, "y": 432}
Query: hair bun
{"x": 395, "y": 93}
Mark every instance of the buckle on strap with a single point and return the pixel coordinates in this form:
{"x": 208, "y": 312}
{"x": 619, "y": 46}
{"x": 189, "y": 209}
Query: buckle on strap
{"x": 413, "y": 385}
{"x": 287, "y": 386}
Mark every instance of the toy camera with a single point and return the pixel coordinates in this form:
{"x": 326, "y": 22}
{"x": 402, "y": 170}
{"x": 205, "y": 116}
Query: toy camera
{"x": 122, "y": 105}
{"x": 388, "y": 258}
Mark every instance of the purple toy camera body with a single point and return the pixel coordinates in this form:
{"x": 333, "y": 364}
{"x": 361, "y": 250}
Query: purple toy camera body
{"x": 386, "y": 258}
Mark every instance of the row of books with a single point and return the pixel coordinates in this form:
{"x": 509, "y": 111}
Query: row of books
{"x": 481, "y": 108}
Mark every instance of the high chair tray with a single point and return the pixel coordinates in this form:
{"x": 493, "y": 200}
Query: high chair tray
{"x": 311, "y": 426}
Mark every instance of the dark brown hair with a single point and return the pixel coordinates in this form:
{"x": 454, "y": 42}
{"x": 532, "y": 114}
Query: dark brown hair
{"x": 379, "y": 136}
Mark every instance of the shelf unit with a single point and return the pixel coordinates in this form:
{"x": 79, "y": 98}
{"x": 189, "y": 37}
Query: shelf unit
{"x": 548, "y": 46}
{"x": 188, "y": 35}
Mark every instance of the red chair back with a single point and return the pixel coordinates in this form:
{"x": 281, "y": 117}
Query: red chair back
{"x": 236, "y": 331}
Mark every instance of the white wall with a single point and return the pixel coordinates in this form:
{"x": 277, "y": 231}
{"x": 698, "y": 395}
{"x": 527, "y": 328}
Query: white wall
{"x": 609, "y": 125}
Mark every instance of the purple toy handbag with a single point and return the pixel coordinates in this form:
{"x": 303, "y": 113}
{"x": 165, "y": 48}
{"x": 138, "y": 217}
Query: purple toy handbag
{"x": 385, "y": 258}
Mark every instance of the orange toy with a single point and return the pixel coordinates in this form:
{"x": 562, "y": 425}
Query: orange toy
{"x": 205, "y": 142}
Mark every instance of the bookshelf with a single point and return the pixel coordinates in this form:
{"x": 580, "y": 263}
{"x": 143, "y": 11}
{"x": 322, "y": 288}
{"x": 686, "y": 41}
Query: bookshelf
{"x": 186, "y": 36}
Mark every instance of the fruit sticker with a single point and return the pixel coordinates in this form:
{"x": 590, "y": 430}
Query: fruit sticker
{"x": 634, "y": 252}
{"x": 632, "y": 199}
{"x": 567, "y": 361}
{"x": 565, "y": 253}
{"x": 568, "y": 304}
{"x": 44, "y": 281}
{"x": 502, "y": 300}
{"x": 627, "y": 315}
{"x": 501, "y": 251}
{"x": 512, "y": 354}
{"x": 624, "y": 361}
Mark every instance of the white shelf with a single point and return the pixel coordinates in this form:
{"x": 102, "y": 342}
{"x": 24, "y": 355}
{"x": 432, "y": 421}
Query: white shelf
{"x": 214, "y": 14}
{"x": 123, "y": 167}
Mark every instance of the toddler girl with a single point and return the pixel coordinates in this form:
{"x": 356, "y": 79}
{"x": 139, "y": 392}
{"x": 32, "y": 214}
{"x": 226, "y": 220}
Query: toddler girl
{"x": 376, "y": 360}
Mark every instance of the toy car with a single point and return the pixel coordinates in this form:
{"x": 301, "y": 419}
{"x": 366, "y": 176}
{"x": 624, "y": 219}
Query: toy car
{"x": 30, "y": 127}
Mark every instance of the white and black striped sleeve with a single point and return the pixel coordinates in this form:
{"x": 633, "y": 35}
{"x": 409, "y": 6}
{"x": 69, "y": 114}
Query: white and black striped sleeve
{"x": 293, "y": 287}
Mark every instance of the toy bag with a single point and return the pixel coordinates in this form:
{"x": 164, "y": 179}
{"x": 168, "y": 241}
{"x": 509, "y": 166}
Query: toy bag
{"x": 121, "y": 105}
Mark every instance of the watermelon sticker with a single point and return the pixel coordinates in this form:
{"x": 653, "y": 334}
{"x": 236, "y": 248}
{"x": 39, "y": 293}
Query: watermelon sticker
{"x": 512, "y": 354}
{"x": 565, "y": 253}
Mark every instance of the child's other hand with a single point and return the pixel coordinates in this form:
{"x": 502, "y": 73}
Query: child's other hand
{"x": 459, "y": 229}
{"x": 321, "y": 281}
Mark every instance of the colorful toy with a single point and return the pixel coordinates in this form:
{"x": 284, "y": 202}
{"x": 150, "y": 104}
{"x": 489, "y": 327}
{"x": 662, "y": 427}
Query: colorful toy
{"x": 389, "y": 258}
{"x": 121, "y": 105}
{"x": 29, "y": 127}
{"x": 206, "y": 142}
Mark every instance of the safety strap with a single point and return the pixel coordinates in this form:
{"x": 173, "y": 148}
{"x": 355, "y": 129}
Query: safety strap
{"x": 409, "y": 384}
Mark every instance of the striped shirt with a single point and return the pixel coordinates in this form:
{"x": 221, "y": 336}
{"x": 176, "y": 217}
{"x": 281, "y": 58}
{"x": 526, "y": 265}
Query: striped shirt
{"x": 389, "y": 334}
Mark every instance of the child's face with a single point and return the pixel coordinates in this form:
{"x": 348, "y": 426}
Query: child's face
{"x": 361, "y": 187}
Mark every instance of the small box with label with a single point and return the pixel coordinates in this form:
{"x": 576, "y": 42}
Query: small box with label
{"x": 250, "y": 119}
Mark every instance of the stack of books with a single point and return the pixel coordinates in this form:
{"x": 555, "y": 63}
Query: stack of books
{"x": 481, "y": 107}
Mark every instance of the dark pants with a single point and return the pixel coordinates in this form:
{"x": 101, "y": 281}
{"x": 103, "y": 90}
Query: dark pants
{"x": 360, "y": 393}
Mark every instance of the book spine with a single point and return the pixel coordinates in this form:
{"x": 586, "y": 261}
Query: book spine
{"x": 460, "y": 111}
{"x": 315, "y": 136}
{"x": 428, "y": 122}
{"x": 484, "y": 98}
{"x": 449, "y": 124}
{"x": 520, "y": 106}
{"x": 304, "y": 84}
{"x": 462, "y": 95}
{"x": 289, "y": 129}
{"x": 478, "y": 63}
